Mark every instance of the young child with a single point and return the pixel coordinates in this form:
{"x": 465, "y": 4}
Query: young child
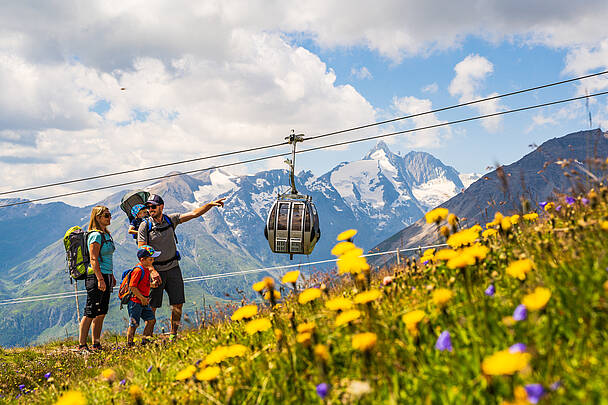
{"x": 139, "y": 212}
{"x": 139, "y": 304}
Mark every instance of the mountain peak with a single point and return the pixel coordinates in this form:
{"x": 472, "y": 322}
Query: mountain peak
{"x": 380, "y": 146}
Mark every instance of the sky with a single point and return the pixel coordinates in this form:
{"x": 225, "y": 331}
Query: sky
{"x": 102, "y": 86}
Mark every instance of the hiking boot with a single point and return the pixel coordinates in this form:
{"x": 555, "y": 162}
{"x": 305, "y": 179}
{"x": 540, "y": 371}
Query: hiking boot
{"x": 144, "y": 342}
{"x": 84, "y": 348}
{"x": 97, "y": 346}
{"x": 130, "y": 344}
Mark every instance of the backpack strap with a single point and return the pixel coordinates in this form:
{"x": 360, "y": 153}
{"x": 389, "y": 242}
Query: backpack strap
{"x": 103, "y": 240}
{"x": 150, "y": 225}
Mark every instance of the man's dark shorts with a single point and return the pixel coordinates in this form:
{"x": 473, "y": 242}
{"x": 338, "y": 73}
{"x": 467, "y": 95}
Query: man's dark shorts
{"x": 97, "y": 301}
{"x": 173, "y": 283}
{"x": 137, "y": 312}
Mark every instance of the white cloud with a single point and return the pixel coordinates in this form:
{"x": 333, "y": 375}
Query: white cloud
{"x": 192, "y": 107}
{"x": 471, "y": 73}
{"x": 361, "y": 73}
{"x": 425, "y": 138}
{"x": 430, "y": 88}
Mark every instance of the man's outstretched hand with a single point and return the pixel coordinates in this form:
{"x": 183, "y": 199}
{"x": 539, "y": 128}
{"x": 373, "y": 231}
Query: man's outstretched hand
{"x": 218, "y": 203}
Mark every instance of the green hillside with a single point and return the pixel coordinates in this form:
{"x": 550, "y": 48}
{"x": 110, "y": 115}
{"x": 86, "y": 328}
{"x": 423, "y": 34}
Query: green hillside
{"x": 434, "y": 331}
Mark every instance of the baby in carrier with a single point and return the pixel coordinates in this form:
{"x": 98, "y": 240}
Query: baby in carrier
{"x": 139, "y": 212}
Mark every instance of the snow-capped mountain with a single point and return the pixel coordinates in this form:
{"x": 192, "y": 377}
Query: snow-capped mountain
{"x": 378, "y": 195}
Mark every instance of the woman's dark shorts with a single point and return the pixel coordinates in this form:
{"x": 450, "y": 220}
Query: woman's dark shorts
{"x": 173, "y": 283}
{"x": 97, "y": 301}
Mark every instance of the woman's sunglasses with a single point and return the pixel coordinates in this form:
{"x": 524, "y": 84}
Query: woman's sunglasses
{"x": 107, "y": 215}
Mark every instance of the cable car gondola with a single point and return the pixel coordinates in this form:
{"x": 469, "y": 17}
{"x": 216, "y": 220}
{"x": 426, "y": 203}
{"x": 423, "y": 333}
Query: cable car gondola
{"x": 292, "y": 226}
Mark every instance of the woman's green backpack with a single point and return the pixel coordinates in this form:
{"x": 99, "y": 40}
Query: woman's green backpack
{"x": 77, "y": 252}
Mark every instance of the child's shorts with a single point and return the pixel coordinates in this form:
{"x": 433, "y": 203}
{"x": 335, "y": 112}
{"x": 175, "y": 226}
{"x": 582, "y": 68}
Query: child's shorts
{"x": 137, "y": 312}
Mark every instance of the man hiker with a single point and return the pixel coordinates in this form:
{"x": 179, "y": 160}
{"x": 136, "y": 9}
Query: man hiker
{"x": 158, "y": 231}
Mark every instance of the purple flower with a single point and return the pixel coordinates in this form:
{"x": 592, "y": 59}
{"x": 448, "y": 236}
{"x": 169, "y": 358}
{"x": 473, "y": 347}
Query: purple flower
{"x": 518, "y": 348}
{"x": 322, "y": 390}
{"x": 490, "y": 290}
{"x": 149, "y": 369}
{"x": 535, "y": 392}
{"x": 22, "y": 387}
{"x": 47, "y": 375}
{"x": 542, "y": 204}
{"x": 584, "y": 201}
{"x": 122, "y": 382}
{"x": 570, "y": 200}
{"x": 555, "y": 386}
{"x": 558, "y": 208}
{"x": 444, "y": 341}
{"x": 520, "y": 313}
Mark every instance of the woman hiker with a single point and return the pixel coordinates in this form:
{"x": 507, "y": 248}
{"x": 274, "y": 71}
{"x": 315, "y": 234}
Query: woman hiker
{"x": 100, "y": 278}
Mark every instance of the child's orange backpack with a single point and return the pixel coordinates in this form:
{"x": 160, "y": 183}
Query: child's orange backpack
{"x": 124, "y": 292}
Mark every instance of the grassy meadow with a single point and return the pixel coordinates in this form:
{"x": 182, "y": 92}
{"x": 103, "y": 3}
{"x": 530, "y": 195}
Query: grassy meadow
{"x": 514, "y": 311}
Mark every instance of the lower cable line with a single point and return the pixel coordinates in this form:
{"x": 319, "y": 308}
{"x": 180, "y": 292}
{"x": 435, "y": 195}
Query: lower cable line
{"x": 71, "y": 294}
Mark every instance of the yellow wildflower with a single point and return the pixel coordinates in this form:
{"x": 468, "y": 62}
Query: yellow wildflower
{"x": 291, "y": 277}
{"x": 306, "y": 327}
{"x": 508, "y": 321}
{"x": 429, "y": 252}
{"x": 321, "y": 352}
{"x": 278, "y": 334}
{"x": 452, "y": 220}
{"x": 514, "y": 219}
{"x": 347, "y": 317}
{"x": 308, "y": 295}
{"x": 217, "y": 355}
{"x": 367, "y": 296}
{"x": 492, "y": 224}
{"x": 245, "y": 312}
{"x": 488, "y": 233}
{"x": 437, "y": 215}
{"x": 498, "y": 217}
{"x": 364, "y": 341}
{"x": 304, "y": 338}
{"x": 604, "y": 225}
{"x": 446, "y": 254}
{"x": 352, "y": 262}
{"x": 275, "y": 293}
{"x": 342, "y": 248}
{"x": 236, "y": 350}
{"x": 441, "y": 296}
{"x": 444, "y": 231}
{"x": 550, "y": 206}
{"x": 339, "y": 304}
{"x": 108, "y": 374}
{"x": 461, "y": 261}
{"x": 505, "y": 363}
{"x": 519, "y": 268}
{"x": 476, "y": 228}
{"x": 259, "y": 286}
{"x": 477, "y": 251}
{"x": 135, "y": 391}
{"x": 411, "y": 320}
{"x": 537, "y": 300}
{"x": 257, "y": 325}
{"x": 269, "y": 281}
{"x": 462, "y": 238}
{"x": 346, "y": 235}
{"x": 208, "y": 373}
{"x": 505, "y": 224}
{"x": 71, "y": 398}
{"x": 533, "y": 216}
{"x": 186, "y": 373}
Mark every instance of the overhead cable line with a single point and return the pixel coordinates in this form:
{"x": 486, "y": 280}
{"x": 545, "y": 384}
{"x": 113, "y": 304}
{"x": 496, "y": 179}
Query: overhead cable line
{"x": 100, "y": 176}
{"x": 468, "y": 103}
{"x": 258, "y": 148}
{"x": 478, "y": 117}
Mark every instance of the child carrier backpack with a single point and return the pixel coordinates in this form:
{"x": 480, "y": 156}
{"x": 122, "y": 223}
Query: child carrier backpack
{"x": 124, "y": 291}
{"x": 150, "y": 225}
{"x": 131, "y": 199}
{"x": 77, "y": 252}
